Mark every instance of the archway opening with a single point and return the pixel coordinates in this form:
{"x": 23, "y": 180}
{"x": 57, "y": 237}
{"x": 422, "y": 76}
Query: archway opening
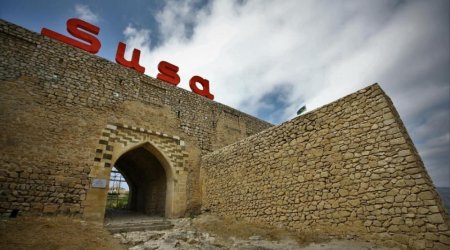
{"x": 147, "y": 185}
{"x": 119, "y": 191}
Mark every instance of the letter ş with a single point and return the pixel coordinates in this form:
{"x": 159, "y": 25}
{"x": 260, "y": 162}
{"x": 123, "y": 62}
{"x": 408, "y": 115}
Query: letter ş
{"x": 73, "y": 27}
{"x": 87, "y": 32}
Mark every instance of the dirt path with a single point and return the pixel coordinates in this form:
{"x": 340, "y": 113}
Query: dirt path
{"x": 210, "y": 232}
{"x": 203, "y": 232}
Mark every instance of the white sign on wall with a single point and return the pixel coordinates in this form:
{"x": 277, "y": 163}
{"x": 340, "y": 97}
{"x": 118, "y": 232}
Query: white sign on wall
{"x": 98, "y": 183}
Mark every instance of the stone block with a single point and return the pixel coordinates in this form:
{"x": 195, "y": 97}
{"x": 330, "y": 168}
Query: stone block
{"x": 398, "y": 221}
{"x": 427, "y": 195}
{"x": 435, "y": 219}
{"x": 50, "y": 208}
{"x": 418, "y": 244}
{"x": 440, "y": 246}
{"x": 444, "y": 239}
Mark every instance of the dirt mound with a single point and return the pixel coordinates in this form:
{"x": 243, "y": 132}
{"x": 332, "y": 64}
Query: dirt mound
{"x": 54, "y": 233}
{"x": 228, "y": 228}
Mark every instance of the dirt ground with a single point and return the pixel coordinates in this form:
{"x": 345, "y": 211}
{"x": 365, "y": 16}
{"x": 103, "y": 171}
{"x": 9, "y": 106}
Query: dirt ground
{"x": 228, "y": 231}
{"x": 71, "y": 233}
{"x": 54, "y": 233}
{"x": 229, "y": 228}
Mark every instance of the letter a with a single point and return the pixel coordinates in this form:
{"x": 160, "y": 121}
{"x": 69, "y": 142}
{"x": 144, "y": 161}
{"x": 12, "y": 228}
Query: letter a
{"x": 75, "y": 27}
{"x": 134, "y": 63}
{"x": 205, "y": 84}
{"x": 168, "y": 73}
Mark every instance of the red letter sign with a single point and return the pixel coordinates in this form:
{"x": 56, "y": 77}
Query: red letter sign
{"x": 168, "y": 73}
{"x": 205, "y": 84}
{"x": 75, "y": 27}
{"x": 134, "y": 63}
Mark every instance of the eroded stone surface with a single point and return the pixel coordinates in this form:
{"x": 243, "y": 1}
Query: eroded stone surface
{"x": 186, "y": 236}
{"x": 67, "y": 115}
{"x": 348, "y": 166}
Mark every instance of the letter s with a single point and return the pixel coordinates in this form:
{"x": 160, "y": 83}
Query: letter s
{"x": 168, "y": 73}
{"x": 75, "y": 27}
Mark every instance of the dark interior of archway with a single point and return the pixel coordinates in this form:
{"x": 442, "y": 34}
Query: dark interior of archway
{"x": 146, "y": 179}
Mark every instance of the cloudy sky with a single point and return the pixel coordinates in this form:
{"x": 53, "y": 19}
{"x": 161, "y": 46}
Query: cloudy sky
{"x": 268, "y": 58}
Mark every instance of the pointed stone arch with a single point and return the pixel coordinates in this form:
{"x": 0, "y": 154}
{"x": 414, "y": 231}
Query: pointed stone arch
{"x": 118, "y": 139}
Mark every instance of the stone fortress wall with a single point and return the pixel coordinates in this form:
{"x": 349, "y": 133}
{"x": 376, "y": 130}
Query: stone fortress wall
{"x": 68, "y": 116}
{"x": 349, "y": 166}
{"x": 65, "y": 114}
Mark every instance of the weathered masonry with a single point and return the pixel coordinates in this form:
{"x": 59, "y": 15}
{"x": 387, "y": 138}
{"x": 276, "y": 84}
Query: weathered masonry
{"x": 348, "y": 166}
{"x": 67, "y": 117}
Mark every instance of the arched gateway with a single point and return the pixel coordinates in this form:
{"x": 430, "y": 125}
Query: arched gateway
{"x": 147, "y": 180}
{"x": 63, "y": 131}
{"x": 154, "y": 165}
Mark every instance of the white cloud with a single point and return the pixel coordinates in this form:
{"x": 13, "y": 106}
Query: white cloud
{"x": 139, "y": 39}
{"x": 85, "y": 13}
{"x": 319, "y": 50}
{"x": 176, "y": 19}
